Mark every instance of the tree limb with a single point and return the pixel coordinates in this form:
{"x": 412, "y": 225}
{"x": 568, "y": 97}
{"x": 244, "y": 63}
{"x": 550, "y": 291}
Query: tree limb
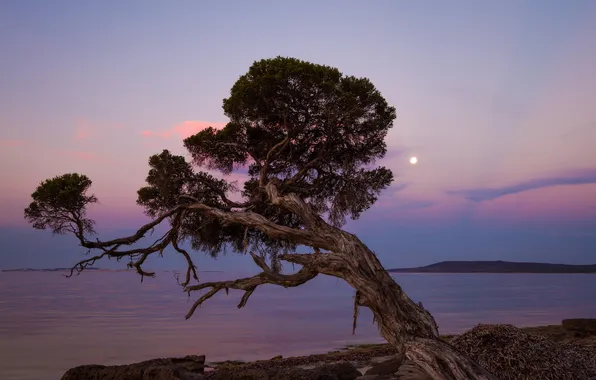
{"x": 224, "y": 198}
{"x": 329, "y": 263}
{"x": 302, "y": 172}
{"x": 249, "y": 284}
{"x": 273, "y": 230}
{"x": 132, "y": 238}
{"x": 110, "y": 248}
{"x": 312, "y": 220}
{"x": 281, "y": 146}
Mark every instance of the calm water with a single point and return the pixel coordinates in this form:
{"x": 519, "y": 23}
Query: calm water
{"x": 49, "y": 323}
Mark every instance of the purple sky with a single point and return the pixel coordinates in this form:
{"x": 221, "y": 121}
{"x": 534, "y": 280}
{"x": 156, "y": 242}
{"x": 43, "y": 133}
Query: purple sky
{"x": 496, "y": 99}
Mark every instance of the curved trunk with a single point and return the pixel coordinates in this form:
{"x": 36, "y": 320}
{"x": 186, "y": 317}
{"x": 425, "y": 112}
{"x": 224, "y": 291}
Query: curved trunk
{"x": 403, "y": 323}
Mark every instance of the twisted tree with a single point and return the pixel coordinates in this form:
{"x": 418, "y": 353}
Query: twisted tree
{"x": 309, "y": 137}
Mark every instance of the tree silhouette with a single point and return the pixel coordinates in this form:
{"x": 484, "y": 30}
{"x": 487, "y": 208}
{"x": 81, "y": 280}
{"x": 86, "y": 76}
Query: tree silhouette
{"x": 309, "y": 137}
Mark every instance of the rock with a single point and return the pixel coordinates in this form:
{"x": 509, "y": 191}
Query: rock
{"x": 580, "y": 326}
{"x": 338, "y": 371}
{"x": 187, "y": 368}
{"x": 235, "y": 374}
{"x": 388, "y": 367}
{"x": 512, "y": 354}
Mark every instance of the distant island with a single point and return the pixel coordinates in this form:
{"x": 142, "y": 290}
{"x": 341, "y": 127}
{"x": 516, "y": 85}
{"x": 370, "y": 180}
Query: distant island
{"x": 496, "y": 267}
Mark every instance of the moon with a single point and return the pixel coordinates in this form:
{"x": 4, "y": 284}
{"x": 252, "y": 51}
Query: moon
{"x": 413, "y": 160}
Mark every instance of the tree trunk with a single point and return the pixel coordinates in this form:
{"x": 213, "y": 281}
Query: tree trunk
{"x": 404, "y": 324}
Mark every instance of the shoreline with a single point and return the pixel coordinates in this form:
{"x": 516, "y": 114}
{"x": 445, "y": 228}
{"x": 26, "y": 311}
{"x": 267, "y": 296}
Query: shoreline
{"x": 367, "y": 356}
{"x": 573, "y": 344}
{"x": 556, "y": 333}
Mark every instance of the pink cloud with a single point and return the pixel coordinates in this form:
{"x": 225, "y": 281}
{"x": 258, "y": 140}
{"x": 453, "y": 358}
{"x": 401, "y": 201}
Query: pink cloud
{"x": 11, "y": 143}
{"x": 79, "y": 155}
{"x": 83, "y": 130}
{"x": 183, "y": 130}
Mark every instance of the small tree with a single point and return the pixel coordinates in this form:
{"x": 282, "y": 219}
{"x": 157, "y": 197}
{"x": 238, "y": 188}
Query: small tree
{"x": 309, "y": 137}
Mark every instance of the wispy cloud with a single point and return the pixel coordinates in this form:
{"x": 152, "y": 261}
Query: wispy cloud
{"x": 83, "y": 130}
{"x": 485, "y": 194}
{"x": 11, "y": 143}
{"x": 183, "y": 130}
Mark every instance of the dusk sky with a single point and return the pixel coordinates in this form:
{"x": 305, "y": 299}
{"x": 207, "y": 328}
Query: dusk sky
{"x": 497, "y": 99}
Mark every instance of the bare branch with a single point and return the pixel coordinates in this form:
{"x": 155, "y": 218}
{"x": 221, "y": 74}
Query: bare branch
{"x": 224, "y": 198}
{"x": 191, "y": 268}
{"x": 313, "y": 221}
{"x": 302, "y": 172}
{"x": 249, "y": 284}
{"x": 130, "y": 239}
{"x": 356, "y": 311}
{"x": 330, "y": 263}
{"x": 273, "y": 230}
{"x": 230, "y": 204}
{"x": 110, "y": 248}
{"x": 142, "y": 254}
{"x": 281, "y": 146}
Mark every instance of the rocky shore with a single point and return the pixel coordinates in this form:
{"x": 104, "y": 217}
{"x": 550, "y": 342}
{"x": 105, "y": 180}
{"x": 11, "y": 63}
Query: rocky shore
{"x": 556, "y": 352}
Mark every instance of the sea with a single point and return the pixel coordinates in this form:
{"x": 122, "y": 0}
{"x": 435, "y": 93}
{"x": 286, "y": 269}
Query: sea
{"x": 49, "y": 323}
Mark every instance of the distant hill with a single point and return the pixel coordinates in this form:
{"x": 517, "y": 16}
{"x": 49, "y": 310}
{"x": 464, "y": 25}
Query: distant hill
{"x": 496, "y": 267}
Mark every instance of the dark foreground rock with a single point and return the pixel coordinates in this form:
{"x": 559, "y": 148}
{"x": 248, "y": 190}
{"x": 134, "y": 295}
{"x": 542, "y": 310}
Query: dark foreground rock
{"x": 513, "y": 354}
{"x": 187, "y": 368}
{"x": 338, "y": 371}
{"x": 580, "y": 326}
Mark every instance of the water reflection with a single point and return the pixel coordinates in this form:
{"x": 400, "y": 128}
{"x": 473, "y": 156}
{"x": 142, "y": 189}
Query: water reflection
{"x": 49, "y": 323}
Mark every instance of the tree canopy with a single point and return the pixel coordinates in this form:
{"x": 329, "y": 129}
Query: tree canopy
{"x": 60, "y": 204}
{"x": 307, "y": 126}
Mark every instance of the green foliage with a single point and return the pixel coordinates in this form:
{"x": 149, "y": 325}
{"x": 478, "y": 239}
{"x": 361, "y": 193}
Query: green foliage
{"x": 60, "y": 204}
{"x": 335, "y": 126}
{"x": 171, "y": 178}
{"x": 328, "y": 128}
